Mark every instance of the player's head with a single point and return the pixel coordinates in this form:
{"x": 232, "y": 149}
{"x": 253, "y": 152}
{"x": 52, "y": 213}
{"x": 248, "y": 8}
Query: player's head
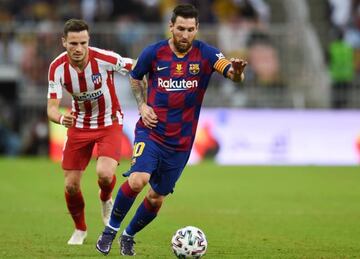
{"x": 184, "y": 25}
{"x": 76, "y": 40}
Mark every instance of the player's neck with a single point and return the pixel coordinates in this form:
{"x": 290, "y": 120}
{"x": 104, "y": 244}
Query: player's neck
{"x": 176, "y": 52}
{"x": 80, "y": 66}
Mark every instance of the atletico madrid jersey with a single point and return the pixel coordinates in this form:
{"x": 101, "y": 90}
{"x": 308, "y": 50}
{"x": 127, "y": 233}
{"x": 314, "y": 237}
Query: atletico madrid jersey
{"x": 176, "y": 88}
{"x": 94, "y": 100}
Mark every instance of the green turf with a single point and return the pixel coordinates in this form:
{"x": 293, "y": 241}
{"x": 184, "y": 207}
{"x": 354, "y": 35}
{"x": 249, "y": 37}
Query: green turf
{"x": 246, "y": 212}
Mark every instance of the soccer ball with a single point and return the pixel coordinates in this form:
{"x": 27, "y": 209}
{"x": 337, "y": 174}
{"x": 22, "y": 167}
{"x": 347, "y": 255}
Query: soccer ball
{"x": 189, "y": 242}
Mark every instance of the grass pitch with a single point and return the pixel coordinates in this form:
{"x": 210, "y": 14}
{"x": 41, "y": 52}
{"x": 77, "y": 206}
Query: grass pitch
{"x": 245, "y": 212}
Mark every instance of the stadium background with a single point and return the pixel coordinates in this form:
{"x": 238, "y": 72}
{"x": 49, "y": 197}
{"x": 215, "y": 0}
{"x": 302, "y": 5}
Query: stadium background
{"x": 303, "y": 74}
{"x": 297, "y": 59}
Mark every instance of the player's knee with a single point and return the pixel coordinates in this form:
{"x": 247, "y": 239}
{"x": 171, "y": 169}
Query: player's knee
{"x": 105, "y": 174}
{"x": 72, "y": 189}
{"x": 105, "y": 179}
{"x": 138, "y": 181}
{"x": 106, "y": 168}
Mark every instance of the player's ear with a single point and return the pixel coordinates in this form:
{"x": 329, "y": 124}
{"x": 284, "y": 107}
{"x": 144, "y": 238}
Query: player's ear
{"x": 171, "y": 27}
{"x": 63, "y": 42}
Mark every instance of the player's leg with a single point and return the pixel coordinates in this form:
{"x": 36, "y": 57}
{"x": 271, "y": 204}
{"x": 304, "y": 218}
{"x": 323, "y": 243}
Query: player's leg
{"x": 123, "y": 202}
{"x": 145, "y": 161}
{"x": 162, "y": 183}
{"x": 108, "y": 152}
{"x": 146, "y": 213}
{"x": 76, "y": 205}
{"x": 76, "y": 156}
{"x": 126, "y": 197}
{"x": 106, "y": 168}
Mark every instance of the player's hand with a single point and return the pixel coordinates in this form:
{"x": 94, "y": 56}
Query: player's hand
{"x": 69, "y": 120}
{"x": 238, "y": 66}
{"x": 148, "y": 116}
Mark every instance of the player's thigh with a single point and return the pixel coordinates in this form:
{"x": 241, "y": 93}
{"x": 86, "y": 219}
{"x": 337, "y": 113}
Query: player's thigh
{"x": 109, "y": 142}
{"x": 77, "y": 149}
{"x": 169, "y": 171}
{"x": 145, "y": 159}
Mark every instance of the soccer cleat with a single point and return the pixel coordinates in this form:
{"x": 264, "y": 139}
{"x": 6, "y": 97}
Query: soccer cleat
{"x": 106, "y": 208}
{"x": 77, "y": 237}
{"x": 127, "y": 245}
{"x": 104, "y": 242}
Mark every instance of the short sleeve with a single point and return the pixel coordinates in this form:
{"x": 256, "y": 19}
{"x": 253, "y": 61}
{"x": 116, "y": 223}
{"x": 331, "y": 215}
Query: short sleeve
{"x": 123, "y": 65}
{"x": 54, "y": 83}
{"x": 143, "y": 64}
{"x": 217, "y": 59}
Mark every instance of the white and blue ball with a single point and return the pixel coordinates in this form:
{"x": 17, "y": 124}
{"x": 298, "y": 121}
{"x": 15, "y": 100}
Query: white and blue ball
{"x": 189, "y": 242}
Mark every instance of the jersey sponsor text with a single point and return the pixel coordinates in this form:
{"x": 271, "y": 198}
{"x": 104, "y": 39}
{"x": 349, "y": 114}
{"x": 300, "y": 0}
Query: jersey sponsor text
{"x": 177, "y": 85}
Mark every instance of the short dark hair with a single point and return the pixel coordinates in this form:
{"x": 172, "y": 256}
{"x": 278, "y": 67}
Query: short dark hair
{"x": 186, "y": 11}
{"x": 75, "y": 25}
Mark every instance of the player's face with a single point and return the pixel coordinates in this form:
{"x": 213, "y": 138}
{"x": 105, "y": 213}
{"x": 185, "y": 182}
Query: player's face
{"x": 76, "y": 45}
{"x": 183, "y": 32}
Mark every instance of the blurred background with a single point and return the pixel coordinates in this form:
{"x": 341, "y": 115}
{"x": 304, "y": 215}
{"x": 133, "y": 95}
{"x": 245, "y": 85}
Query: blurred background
{"x": 303, "y": 55}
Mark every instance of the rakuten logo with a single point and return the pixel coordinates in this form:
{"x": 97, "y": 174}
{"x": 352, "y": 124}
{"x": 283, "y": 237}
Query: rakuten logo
{"x": 173, "y": 85}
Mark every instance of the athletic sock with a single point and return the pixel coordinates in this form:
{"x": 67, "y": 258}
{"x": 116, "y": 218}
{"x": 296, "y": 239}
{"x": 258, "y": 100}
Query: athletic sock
{"x": 76, "y": 206}
{"x": 123, "y": 202}
{"x": 106, "y": 189}
{"x": 143, "y": 216}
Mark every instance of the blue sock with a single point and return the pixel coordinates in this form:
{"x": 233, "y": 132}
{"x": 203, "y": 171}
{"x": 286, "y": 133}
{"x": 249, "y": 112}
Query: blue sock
{"x": 123, "y": 202}
{"x": 143, "y": 216}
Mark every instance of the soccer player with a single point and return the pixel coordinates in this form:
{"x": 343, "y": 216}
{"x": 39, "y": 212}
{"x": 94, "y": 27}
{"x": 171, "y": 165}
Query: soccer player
{"x": 179, "y": 70}
{"x": 87, "y": 73}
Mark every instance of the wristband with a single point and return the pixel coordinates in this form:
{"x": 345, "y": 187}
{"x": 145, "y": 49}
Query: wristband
{"x": 61, "y": 119}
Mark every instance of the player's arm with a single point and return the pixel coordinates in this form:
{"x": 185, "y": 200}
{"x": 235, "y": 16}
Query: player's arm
{"x": 236, "y": 70}
{"x": 144, "y": 85}
{"x": 139, "y": 89}
{"x": 56, "y": 116}
{"x": 139, "y": 86}
{"x": 54, "y": 98}
{"x": 233, "y": 69}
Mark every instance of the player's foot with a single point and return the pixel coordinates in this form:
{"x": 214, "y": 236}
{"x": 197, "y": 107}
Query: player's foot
{"x": 106, "y": 208}
{"x": 104, "y": 242}
{"x": 127, "y": 245}
{"x": 77, "y": 237}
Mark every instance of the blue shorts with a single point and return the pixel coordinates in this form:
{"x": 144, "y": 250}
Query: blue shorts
{"x": 165, "y": 165}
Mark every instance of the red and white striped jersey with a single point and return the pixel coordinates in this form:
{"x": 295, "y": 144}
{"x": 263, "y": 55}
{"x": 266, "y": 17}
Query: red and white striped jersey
{"x": 94, "y": 101}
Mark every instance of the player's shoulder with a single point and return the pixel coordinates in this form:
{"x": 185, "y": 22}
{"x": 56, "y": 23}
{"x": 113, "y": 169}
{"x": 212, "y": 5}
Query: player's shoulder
{"x": 98, "y": 52}
{"x": 107, "y": 56}
{"x": 155, "y": 47}
{"x": 60, "y": 59}
{"x": 204, "y": 47}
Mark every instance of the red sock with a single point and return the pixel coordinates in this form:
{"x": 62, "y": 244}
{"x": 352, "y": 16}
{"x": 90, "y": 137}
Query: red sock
{"x": 106, "y": 189}
{"x": 76, "y": 205}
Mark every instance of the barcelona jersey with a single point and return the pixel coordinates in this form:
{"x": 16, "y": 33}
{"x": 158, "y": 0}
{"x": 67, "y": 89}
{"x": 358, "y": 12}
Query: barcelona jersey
{"x": 176, "y": 88}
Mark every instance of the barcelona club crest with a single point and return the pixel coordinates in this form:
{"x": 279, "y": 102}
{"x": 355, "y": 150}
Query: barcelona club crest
{"x": 194, "y": 69}
{"x": 96, "y": 78}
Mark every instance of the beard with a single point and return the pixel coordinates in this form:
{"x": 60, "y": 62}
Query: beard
{"x": 78, "y": 58}
{"x": 182, "y": 47}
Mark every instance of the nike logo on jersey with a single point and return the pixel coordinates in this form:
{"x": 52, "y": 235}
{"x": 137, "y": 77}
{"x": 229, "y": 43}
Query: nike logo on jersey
{"x": 160, "y": 68}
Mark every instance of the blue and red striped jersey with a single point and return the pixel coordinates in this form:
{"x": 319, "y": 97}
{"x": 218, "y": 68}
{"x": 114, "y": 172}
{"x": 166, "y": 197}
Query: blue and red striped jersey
{"x": 176, "y": 88}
